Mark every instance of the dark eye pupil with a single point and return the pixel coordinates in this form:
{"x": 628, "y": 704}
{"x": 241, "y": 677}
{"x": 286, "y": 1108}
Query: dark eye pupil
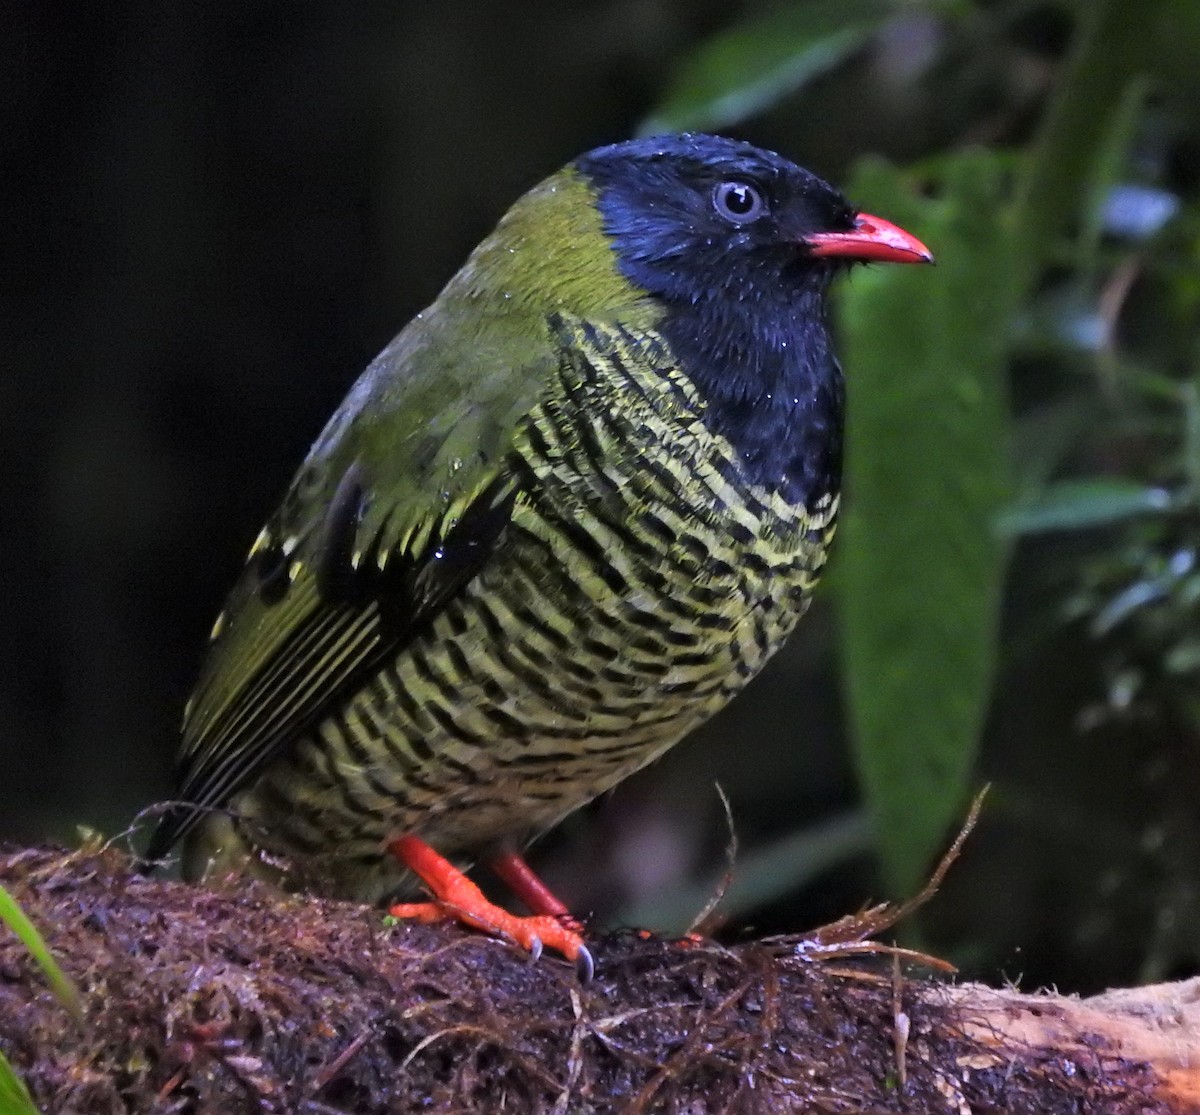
{"x": 738, "y": 201}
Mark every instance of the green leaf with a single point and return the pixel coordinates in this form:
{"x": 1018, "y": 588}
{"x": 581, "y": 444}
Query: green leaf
{"x": 1080, "y": 504}
{"x": 64, "y": 990}
{"x": 920, "y": 566}
{"x": 14, "y": 1096}
{"x": 745, "y": 70}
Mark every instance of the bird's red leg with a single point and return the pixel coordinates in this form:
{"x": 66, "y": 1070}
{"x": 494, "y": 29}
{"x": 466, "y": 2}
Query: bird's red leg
{"x": 525, "y": 884}
{"x": 456, "y": 897}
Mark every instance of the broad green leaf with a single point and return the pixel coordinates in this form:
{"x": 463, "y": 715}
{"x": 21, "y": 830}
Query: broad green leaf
{"x": 14, "y": 1096}
{"x": 1080, "y": 504}
{"x": 747, "y": 69}
{"x": 920, "y": 565}
{"x": 14, "y": 917}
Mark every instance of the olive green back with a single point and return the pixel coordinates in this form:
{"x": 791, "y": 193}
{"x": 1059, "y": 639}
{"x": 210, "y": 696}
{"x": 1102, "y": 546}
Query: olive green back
{"x": 352, "y": 561}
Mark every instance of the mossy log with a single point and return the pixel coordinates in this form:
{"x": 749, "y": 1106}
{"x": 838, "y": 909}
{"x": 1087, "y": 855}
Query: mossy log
{"x": 239, "y": 999}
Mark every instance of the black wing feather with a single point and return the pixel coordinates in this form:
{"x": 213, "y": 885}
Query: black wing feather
{"x": 361, "y": 615}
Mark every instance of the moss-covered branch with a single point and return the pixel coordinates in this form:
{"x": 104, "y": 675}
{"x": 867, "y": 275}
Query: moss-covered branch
{"x": 239, "y": 1000}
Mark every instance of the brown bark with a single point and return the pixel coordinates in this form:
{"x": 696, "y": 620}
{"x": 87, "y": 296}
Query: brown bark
{"x": 238, "y": 999}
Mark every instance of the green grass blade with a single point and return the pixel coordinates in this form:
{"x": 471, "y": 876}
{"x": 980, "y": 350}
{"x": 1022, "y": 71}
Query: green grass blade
{"x": 64, "y": 990}
{"x": 14, "y": 1096}
{"x": 919, "y": 563}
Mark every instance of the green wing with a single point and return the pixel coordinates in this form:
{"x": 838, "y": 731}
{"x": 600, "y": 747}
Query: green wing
{"x": 399, "y": 504}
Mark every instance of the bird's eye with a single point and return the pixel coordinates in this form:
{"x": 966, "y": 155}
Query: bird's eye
{"x": 738, "y": 202}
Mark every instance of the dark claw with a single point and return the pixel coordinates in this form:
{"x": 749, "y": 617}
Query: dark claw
{"x": 535, "y": 950}
{"x": 585, "y": 966}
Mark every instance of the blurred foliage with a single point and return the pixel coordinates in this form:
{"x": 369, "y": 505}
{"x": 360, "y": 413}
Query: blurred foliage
{"x": 1055, "y": 225}
{"x": 220, "y": 214}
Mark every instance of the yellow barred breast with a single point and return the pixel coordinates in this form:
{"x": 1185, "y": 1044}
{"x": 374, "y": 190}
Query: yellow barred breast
{"x": 638, "y": 587}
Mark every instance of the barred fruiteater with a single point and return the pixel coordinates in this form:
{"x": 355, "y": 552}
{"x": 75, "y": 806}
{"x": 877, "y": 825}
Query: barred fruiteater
{"x": 560, "y": 521}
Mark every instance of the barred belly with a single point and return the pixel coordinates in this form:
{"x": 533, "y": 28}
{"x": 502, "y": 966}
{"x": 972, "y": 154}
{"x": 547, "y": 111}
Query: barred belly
{"x": 636, "y": 590}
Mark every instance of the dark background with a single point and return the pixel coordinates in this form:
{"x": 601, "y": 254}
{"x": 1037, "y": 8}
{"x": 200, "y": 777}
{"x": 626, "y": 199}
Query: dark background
{"x": 213, "y": 216}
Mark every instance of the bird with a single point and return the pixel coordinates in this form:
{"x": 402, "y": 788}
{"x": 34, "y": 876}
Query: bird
{"x": 562, "y": 519}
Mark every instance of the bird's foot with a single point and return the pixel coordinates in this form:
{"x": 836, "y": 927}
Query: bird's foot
{"x": 456, "y": 898}
{"x": 525, "y": 884}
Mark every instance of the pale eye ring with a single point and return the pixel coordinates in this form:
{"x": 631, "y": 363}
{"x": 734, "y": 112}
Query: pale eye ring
{"x": 738, "y": 201}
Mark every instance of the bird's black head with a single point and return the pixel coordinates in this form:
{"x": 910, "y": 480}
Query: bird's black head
{"x": 697, "y": 216}
{"x": 738, "y": 244}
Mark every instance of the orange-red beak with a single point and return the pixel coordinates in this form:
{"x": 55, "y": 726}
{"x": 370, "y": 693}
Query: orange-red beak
{"x": 871, "y": 238}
